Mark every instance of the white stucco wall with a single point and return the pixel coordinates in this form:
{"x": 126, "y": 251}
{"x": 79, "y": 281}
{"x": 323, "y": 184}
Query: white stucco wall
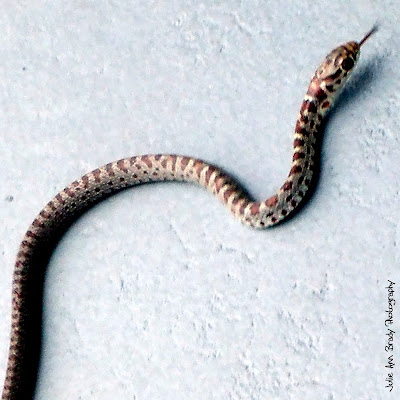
{"x": 158, "y": 293}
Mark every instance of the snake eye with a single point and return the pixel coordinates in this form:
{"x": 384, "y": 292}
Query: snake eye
{"x": 347, "y": 64}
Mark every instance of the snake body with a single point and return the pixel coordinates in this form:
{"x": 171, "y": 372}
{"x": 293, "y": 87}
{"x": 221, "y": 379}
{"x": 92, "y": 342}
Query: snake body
{"x": 67, "y": 205}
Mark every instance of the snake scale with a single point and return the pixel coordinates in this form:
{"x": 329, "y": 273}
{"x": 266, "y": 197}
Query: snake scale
{"x": 44, "y": 232}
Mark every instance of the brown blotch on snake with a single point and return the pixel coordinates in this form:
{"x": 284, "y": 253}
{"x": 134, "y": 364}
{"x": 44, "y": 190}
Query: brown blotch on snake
{"x": 287, "y": 185}
{"x": 97, "y": 175}
{"x": 184, "y": 162}
{"x": 298, "y": 143}
{"x": 296, "y": 169}
{"x": 122, "y": 166}
{"x": 298, "y": 156}
{"x": 272, "y": 201}
{"x": 255, "y": 208}
{"x": 146, "y": 160}
{"x": 44, "y": 232}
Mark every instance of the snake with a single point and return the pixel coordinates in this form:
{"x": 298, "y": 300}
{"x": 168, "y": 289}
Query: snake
{"x": 59, "y": 213}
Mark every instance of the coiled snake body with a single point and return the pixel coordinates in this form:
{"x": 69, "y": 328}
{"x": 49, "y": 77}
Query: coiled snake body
{"x": 67, "y": 205}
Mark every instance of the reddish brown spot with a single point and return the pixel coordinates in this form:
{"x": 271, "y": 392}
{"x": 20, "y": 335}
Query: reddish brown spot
{"x": 284, "y": 212}
{"x": 302, "y": 130}
{"x": 109, "y": 169}
{"x": 272, "y": 201}
{"x": 298, "y": 155}
{"x": 173, "y": 161}
{"x": 325, "y": 104}
{"x": 209, "y": 172}
{"x": 30, "y": 234}
{"x": 85, "y": 181}
{"x": 298, "y": 143}
{"x": 69, "y": 192}
{"x": 255, "y": 208}
{"x": 273, "y": 220}
{"x": 164, "y": 163}
{"x": 122, "y": 179}
{"x": 287, "y": 185}
{"x": 299, "y": 126}
{"x": 227, "y": 194}
{"x": 155, "y": 173}
{"x": 147, "y": 161}
{"x": 198, "y": 166}
{"x": 157, "y": 156}
{"x": 97, "y": 174}
{"x": 242, "y": 208}
{"x": 184, "y": 162}
{"x": 132, "y": 160}
{"x": 27, "y": 244}
{"x": 121, "y": 165}
{"x": 295, "y": 170}
{"x": 60, "y": 199}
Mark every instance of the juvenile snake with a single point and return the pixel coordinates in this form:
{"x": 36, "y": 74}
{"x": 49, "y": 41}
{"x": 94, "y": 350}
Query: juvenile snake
{"x": 67, "y": 205}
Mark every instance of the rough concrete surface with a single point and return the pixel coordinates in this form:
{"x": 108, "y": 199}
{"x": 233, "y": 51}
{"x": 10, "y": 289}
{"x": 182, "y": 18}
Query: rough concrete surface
{"x": 158, "y": 293}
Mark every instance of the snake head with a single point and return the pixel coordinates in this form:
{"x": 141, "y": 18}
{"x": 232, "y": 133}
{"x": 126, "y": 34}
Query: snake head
{"x": 340, "y": 61}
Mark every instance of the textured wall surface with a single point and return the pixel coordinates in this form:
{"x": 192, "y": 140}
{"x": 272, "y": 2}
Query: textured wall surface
{"x": 158, "y": 293}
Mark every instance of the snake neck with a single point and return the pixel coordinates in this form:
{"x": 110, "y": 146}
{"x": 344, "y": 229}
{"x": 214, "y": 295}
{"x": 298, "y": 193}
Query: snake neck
{"x": 317, "y": 103}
